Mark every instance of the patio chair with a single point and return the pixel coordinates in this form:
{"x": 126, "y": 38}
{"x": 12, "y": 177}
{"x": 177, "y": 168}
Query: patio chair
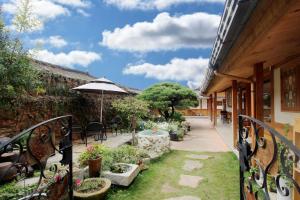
{"x": 116, "y": 124}
{"x": 97, "y": 129}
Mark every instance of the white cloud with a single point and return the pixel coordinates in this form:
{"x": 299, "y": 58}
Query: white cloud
{"x": 153, "y": 4}
{"x": 55, "y": 41}
{"x": 82, "y": 58}
{"x": 83, "y": 12}
{"x": 191, "y": 70}
{"x": 74, "y": 3}
{"x": 165, "y": 32}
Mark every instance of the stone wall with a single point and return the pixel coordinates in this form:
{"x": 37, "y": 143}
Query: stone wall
{"x": 57, "y": 99}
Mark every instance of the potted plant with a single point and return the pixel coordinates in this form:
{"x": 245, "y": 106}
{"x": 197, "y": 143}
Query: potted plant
{"x": 93, "y": 158}
{"x": 91, "y": 188}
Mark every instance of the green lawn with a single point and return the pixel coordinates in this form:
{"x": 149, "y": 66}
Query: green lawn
{"x": 221, "y": 179}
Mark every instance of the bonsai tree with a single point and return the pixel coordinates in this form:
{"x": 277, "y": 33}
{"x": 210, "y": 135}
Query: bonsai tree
{"x": 133, "y": 109}
{"x": 165, "y": 97}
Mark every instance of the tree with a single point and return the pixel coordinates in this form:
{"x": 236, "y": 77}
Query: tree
{"x": 166, "y": 97}
{"x": 133, "y": 109}
{"x": 18, "y": 77}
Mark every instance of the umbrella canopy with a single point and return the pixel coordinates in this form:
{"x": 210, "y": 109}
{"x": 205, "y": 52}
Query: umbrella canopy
{"x": 101, "y": 86}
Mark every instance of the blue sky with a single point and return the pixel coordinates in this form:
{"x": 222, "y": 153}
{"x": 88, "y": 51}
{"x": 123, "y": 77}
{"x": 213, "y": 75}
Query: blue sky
{"x": 133, "y": 42}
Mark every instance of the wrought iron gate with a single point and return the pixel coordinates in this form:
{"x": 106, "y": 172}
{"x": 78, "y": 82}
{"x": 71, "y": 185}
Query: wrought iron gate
{"x": 27, "y": 156}
{"x": 264, "y": 152}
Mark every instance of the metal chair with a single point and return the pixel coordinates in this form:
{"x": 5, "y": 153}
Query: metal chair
{"x": 97, "y": 129}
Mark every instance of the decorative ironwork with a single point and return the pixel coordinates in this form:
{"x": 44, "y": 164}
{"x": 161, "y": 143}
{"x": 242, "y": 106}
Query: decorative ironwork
{"x": 27, "y": 155}
{"x": 264, "y": 153}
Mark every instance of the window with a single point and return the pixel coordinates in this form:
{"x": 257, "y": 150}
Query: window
{"x": 290, "y": 88}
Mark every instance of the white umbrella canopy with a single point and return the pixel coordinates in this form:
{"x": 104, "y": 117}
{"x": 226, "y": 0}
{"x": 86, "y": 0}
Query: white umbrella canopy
{"x": 101, "y": 86}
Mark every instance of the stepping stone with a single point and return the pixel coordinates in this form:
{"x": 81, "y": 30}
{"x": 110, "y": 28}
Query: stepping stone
{"x": 167, "y": 188}
{"x": 189, "y": 181}
{"x": 191, "y": 165}
{"x": 199, "y": 157}
{"x": 184, "y": 198}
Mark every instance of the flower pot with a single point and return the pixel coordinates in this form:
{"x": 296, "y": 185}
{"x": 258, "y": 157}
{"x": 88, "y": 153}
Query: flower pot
{"x": 94, "y": 167}
{"x": 173, "y": 136}
{"x": 96, "y": 195}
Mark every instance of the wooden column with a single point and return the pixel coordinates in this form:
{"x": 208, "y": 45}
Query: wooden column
{"x": 259, "y": 91}
{"x": 210, "y": 108}
{"x": 234, "y": 112}
{"x": 215, "y": 108}
{"x": 240, "y": 101}
{"x": 248, "y": 100}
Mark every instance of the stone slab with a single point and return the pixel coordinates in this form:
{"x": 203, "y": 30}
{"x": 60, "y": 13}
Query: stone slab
{"x": 184, "y": 198}
{"x": 167, "y": 188}
{"x": 190, "y": 165}
{"x": 198, "y": 157}
{"x": 189, "y": 181}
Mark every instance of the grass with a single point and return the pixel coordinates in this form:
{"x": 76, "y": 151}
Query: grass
{"x": 220, "y": 173}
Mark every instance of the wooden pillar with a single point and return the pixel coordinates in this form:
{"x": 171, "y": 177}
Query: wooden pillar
{"x": 272, "y": 96}
{"x": 210, "y": 108}
{"x": 215, "y": 108}
{"x": 259, "y": 91}
{"x": 234, "y": 112}
{"x": 248, "y": 100}
{"x": 240, "y": 101}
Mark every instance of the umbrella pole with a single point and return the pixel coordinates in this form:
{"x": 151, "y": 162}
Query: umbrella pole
{"x": 101, "y": 107}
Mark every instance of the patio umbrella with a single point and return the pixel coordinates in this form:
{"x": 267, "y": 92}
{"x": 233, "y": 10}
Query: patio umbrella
{"x": 101, "y": 86}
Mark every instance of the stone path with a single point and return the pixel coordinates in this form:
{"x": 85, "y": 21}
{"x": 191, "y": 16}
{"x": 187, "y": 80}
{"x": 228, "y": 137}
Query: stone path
{"x": 189, "y": 181}
{"x": 191, "y": 165}
{"x": 203, "y": 137}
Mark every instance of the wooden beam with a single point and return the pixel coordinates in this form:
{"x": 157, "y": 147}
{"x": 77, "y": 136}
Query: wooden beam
{"x": 259, "y": 91}
{"x": 215, "y": 108}
{"x": 234, "y": 113}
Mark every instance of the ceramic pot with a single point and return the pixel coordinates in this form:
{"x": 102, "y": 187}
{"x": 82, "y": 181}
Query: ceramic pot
{"x": 95, "y": 167}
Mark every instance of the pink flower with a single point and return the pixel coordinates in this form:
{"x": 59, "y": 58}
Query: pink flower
{"x": 90, "y": 148}
{"x": 58, "y": 178}
{"x": 78, "y": 182}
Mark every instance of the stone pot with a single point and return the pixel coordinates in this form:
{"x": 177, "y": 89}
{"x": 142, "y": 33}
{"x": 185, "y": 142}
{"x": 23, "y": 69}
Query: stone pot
{"x": 94, "y": 167}
{"x": 97, "y": 195}
{"x": 123, "y": 179}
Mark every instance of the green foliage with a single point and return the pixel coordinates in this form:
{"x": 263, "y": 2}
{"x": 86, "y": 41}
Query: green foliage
{"x": 11, "y": 191}
{"x": 122, "y": 154}
{"x": 18, "y": 77}
{"x": 178, "y": 117}
{"x": 169, "y": 96}
{"x": 90, "y": 185}
{"x": 128, "y": 154}
{"x": 119, "y": 168}
{"x": 131, "y": 107}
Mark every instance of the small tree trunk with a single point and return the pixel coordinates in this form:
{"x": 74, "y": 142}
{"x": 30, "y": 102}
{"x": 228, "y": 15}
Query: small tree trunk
{"x": 133, "y": 124}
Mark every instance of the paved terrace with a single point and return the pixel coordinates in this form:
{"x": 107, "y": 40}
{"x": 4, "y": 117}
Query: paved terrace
{"x": 203, "y": 137}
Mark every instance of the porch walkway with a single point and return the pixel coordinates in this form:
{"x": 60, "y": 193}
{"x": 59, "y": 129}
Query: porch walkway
{"x": 203, "y": 137}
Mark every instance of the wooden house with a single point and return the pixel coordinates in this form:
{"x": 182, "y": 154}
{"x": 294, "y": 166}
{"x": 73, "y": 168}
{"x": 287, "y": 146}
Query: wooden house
{"x": 256, "y": 62}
